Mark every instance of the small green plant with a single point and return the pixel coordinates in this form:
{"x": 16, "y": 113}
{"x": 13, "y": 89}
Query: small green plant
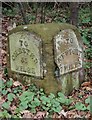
{"x": 87, "y": 100}
{"x": 84, "y": 15}
{"x": 25, "y": 99}
{"x": 31, "y": 18}
{"x": 6, "y": 105}
{"x": 9, "y": 83}
{"x": 86, "y": 37}
{"x": 10, "y": 96}
{"x": 2, "y": 85}
{"x": 63, "y": 100}
{"x": 9, "y": 12}
{"x": 33, "y": 98}
{"x": 5, "y": 114}
{"x": 80, "y": 106}
{"x": 4, "y": 92}
{"x": 17, "y": 89}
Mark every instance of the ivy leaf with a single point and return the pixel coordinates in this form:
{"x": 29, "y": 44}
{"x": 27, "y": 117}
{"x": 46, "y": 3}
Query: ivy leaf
{"x": 15, "y": 91}
{"x": 61, "y": 95}
{"x": 61, "y": 100}
{"x": 80, "y": 106}
{"x": 32, "y": 105}
{"x": 51, "y": 96}
{"x": 36, "y": 102}
{"x": 57, "y": 109}
{"x": 88, "y": 107}
{"x": 85, "y": 40}
{"x": 48, "y": 105}
{"x": 10, "y": 96}
{"x": 17, "y": 110}
{"x": 26, "y": 96}
{"x": 68, "y": 102}
{"x": 2, "y": 85}
{"x": 45, "y": 99}
{"x": 26, "y": 93}
{"x": 9, "y": 83}
{"x": 5, "y": 114}
{"x": 43, "y": 102}
{"x": 87, "y": 100}
{"x": 45, "y": 108}
{"x": 71, "y": 107}
{"x": 23, "y": 105}
{"x": 4, "y": 92}
{"x": 22, "y": 98}
{"x": 29, "y": 98}
{"x": 33, "y": 110}
{"x": 6, "y": 105}
{"x": 87, "y": 20}
{"x": 56, "y": 104}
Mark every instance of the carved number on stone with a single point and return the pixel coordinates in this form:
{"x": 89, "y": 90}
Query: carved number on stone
{"x": 23, "y": 43}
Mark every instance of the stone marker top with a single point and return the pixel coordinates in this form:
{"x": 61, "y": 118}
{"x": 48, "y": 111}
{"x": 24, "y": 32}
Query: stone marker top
{"x": 47, "y": 31}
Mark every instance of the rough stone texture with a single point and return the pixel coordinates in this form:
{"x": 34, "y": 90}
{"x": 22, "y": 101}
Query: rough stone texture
{"x": 50, "y": 82}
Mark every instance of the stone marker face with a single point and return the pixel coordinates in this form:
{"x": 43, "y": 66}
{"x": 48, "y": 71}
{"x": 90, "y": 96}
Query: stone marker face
{"x": 26, "y": 54}
{"x": 68, "y": 54}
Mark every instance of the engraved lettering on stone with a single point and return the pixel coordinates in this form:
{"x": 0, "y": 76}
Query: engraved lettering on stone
{"x": 21, "y": 42}
{"x": 26, "y": 54}
{"x": 68, "y": 54}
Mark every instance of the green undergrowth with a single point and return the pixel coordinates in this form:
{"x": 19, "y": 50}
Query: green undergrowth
{"x": 33, "y": 99}
{"x": 86, "y": 34}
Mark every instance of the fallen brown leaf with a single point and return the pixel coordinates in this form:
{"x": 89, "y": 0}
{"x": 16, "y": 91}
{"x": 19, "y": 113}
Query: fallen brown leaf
{"x": 63, "y": 113}
{"x": 85, "y": 84}
{"x": 27, "y": 114}
{"x": 55, "y": 115}
{"x": 3, "y": 51}
{"x": 71, "y": 114}
{"x": 12, "y": 109}
{"x": 9, "y": 28}
{"x": 16, "y": 83}
{"x": 40, "y": 115}
{"x": 87, "y": 88}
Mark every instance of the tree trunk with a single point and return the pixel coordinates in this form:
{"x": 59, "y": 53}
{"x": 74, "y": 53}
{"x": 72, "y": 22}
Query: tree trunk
{"x": 36, "y": 13}
{"x": 23, "y": 12}
{"x": 74, "y": 13}
{"x": 42, "y": 12}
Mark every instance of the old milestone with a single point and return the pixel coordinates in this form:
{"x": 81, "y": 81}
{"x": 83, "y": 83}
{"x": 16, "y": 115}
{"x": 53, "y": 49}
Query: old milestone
{"x": 48, "y": 55}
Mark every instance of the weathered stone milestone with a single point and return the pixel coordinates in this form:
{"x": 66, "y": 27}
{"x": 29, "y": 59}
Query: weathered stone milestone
{"x": 48, "y": 55}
